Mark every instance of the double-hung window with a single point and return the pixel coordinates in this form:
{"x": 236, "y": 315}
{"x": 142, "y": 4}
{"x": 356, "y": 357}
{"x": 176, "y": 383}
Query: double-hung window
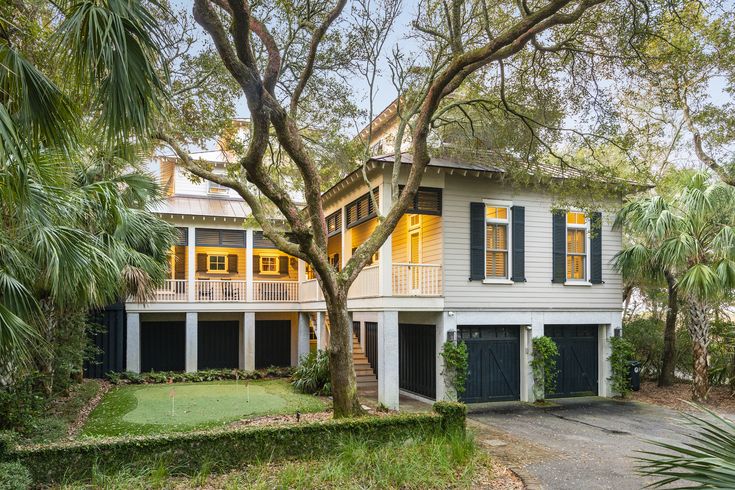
{"x": 268, "y": 264}
{"x": 217, "y": 263}
{"x": 496, "y": 241}
{"x": 577, "y": 235}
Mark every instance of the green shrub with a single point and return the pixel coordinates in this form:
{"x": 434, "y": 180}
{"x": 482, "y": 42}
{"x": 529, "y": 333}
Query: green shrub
{"x": 622, "y": 352}
{"x": 543, "y": 366}
{"x": 14, "y": 476}
{"x": 647, "y": 338}
{"x": 157, "y": 377}
{"x": 224, "y": 448}
{"x": 21, "y": 403}
{"x": 453, "y": 414}
{"x": 312, "y": 374}
{"x": 456, "y": 367}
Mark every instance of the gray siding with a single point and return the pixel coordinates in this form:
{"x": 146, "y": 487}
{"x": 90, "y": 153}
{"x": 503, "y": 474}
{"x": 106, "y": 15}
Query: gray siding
{"x": 538, "y": 293}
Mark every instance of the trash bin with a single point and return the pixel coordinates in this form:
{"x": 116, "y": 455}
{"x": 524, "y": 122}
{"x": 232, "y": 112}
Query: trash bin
{"x": 634, "y": 371}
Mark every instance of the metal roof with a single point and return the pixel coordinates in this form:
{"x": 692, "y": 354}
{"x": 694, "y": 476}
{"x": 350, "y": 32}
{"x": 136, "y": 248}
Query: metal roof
{"x": 203, "y": 206}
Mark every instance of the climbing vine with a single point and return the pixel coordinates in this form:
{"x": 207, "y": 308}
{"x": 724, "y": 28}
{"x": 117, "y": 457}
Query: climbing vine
{"x": 456, "y": 367}
{"x": 543, "y": 366}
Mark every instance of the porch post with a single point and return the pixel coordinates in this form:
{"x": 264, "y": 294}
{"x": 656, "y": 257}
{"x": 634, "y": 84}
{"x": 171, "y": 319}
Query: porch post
{"x": 388, "y": 359}
{"x": 385, "y": 257}
{"x": 192, "y": 350}
{"x": 346, "y": 237}
{"x": 132, "y": 362}
{"x": 303, "y": 336}
{"x": 446, "y": 323}
{"x": 191, "y": 269}
{"x": 321, "y": 331}
{"x": 248, "y": 340}
{"x": 537, "y": 330}
{"x": 249, "y": 266}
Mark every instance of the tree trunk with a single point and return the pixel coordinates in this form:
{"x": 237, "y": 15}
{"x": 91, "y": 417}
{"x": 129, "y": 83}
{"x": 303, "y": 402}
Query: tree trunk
{"x": 344, "y": 384}
{"x": 668, "y": 364}
{"x": 699, "y": 329}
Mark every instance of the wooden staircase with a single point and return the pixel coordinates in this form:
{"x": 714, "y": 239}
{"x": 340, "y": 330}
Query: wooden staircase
{"x": 366, "y": 379}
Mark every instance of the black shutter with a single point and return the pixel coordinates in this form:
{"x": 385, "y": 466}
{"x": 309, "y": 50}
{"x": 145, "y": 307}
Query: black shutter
{"x": 201, "y": 262}
{"x": 283, "y": 265}
{"x": 256, "y": 264}
{"x": 477, "y": 241}
{"x": 232, "y": 263}
{"x": 518, "y": 215}
{"x": 559, "y": 243}
{"x": 596, "y": 248}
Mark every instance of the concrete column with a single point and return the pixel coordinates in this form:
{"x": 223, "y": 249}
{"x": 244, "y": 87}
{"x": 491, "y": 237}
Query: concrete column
{"x": 445, "y": 324}
{"x": 388, "y": 388}
{"x": 322, "y": 336}
{"x": 249, "y": 266}
{"x": 302, "y": 349}
{"x": 192, "y": 351}
{"x": 132, "y": 362}
{"x": 537, "y": 330}
{"x": 191, "y": 270}
{"x": 362, "y": 335}
{"x": 385, "y": 258}
{"x": 525, "y": 357}
{"x": 248, "y": 340}
{"x": 604, "y": 350}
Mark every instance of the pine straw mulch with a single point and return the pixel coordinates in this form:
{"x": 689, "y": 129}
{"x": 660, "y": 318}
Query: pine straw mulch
{"x": 76, "y": 426}
{"x": 720, "y": 400}
{"x": 291, "y": 419}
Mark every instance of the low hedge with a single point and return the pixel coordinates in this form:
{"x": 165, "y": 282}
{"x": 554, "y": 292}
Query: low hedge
{"x": 225, "y": 448}
{"x": 157, "y": 377}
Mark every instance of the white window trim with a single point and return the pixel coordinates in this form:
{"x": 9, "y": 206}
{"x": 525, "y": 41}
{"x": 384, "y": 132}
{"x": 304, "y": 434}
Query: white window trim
{"x": 500, "y": 204}
{"x": 209, "y": 264}
{"x": 269, "y": 273}
{"x": 415, "y": 229}
{"x": 586, "y": 228}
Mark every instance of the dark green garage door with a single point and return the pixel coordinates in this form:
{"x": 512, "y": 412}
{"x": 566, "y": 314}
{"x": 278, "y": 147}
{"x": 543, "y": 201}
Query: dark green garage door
{"x": 218, "y": 345}
{"x": 272, "y": 343}
{"x": 417, "y": 359}
{"x": 162, "y": 346}
{"x": 577, "y": 362}
{"x": 494, "y": 363}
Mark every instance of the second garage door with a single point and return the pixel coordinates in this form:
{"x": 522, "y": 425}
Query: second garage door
{"x": 162, "y": 346}
{"x": 272, "y": 343}
{"x": 217, "y": 345}
{"x": 494, "y": 363}
{"x": 577, "y": 362}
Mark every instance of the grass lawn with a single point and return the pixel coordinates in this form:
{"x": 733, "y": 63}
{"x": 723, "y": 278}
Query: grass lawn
{"x": 425, "y": 461}
{"x": 147, "y": 409}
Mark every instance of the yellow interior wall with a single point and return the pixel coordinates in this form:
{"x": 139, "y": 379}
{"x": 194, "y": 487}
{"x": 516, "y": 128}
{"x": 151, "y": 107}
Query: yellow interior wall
{"x": 362, "y": 232}
{"x": 431, "y": 240}
{"x": 293, "y": 268}
{"x": 241, "y": 264}
{"x": 334, "y": 245}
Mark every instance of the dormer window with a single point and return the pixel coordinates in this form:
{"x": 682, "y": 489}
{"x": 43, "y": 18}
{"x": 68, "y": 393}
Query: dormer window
{"x": 215, "y": 188}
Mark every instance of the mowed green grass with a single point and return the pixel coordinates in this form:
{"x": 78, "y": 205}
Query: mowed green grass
{"x": 148, "y": 409}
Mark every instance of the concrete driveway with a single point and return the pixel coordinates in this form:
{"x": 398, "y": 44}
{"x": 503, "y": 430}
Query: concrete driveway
{"x": 582, "y": 443}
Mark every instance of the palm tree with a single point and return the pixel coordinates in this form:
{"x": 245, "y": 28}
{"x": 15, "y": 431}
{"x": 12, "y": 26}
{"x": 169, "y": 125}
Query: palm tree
{"x": 642, "y": 220}
{"x": 692, "y": 238}
{"x": 71, "y": 235}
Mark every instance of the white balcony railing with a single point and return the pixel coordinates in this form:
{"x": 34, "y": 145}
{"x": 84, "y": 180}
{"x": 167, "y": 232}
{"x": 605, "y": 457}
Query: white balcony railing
{"x": 275, "y": 291}
{"x": 172, "y": 290}
{"x": 309, "y": 290}
{"x": 366, "y": 284}
{"x": 417, "y": 280}
{"x": 218, "y": 291}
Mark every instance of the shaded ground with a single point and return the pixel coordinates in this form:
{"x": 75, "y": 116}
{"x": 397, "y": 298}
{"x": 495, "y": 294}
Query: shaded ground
{"x": 579, "y": 443}
{"x": 676, "y": 397}
{"x": 145, "y": 409}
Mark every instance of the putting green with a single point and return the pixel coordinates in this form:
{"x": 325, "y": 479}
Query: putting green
{"x": 145, "y": 409}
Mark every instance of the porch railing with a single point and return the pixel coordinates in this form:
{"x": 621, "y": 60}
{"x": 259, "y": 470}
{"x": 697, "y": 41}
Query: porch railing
{"x": 272, "y": 291}
{"x": 309, "y": 290}
{"x": 417, "y": 279}
{"x": 366, "y": 284}
{"x": 218, "y": 291}
{"x": 173, "y": 290}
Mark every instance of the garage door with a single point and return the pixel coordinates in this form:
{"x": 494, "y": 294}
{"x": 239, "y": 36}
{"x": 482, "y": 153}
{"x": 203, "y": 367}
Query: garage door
{"x": 577, "y": 362}
{"x": 494, "y": 363}
{"x": 217, "y": 345}
{"x": 272, "y": 343}
{"x": 417, "y": 359}
{"x": 162, "y": 346}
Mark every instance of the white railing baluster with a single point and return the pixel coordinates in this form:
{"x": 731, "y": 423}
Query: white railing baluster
{"x": 417, "y": 279}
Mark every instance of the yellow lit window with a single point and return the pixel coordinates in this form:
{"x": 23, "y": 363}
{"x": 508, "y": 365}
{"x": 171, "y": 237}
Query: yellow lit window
{"x": 269, "y": 264}
{"x": 496, "y": 242}
{"x": 576, "y": 246}
{"x": 217, "y": 263}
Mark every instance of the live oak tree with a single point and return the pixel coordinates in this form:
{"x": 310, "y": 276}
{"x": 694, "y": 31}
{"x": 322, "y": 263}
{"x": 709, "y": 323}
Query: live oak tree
{"x": 285, "y": 56}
